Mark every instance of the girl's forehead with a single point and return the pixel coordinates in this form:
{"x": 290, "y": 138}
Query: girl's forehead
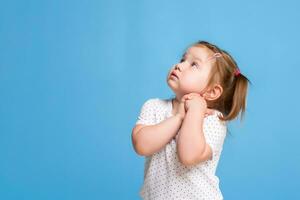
{"x": 198, "y": 52}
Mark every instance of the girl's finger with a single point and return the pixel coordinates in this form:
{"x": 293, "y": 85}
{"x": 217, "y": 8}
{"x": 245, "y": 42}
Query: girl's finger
{"x": 186, "y": 97}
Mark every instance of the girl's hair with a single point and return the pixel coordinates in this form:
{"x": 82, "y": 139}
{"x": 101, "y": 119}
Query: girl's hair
{"x": 233, "y": 98}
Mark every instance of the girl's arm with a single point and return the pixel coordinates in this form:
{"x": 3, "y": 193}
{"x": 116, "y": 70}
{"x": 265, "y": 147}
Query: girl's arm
{"x": 148, "y": 140}
{"x": 191, "y": 145}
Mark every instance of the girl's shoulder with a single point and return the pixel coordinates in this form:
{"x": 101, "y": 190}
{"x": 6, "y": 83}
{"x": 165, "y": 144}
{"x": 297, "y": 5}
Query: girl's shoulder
{"x": 157, "y": 100}
{"x": 153, "y": 101}
{"x": 215, "y": 117}
{"x": 157, "y": 103}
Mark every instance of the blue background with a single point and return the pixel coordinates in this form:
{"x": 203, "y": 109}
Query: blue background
{"x": 74, "y": 75}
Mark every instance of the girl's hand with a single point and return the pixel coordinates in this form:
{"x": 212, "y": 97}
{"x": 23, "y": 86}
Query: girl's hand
{"x": 181, "y": 108}
{"x": 195, "y": 101}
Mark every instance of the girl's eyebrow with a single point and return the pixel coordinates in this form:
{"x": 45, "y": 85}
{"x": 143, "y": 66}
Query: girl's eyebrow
{"x": 185, "y": 54}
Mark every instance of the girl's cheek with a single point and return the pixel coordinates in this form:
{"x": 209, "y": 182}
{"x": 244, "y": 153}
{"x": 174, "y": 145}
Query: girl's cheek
{"x": 190, "y": 78}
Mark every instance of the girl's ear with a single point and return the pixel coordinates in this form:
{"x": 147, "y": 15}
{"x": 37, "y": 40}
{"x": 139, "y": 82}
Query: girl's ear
{"x": 213, "y": 93}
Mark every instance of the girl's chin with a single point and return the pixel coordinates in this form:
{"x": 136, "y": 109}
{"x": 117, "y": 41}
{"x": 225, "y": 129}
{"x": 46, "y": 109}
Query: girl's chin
{"x": 173, "y": 79}
{"x": 173, "y": 86}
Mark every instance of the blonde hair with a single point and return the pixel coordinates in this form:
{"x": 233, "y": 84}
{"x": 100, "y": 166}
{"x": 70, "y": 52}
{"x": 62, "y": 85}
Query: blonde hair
{"x": 233, "y": 98}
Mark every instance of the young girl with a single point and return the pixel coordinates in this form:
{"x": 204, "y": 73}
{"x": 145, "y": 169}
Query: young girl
{"x": 182, "y": 138}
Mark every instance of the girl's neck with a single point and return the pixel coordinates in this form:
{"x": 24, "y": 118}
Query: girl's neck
{"x": 175, "y": 104}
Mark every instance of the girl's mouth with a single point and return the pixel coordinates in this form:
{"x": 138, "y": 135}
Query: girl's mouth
{"x": 174, "y": 75}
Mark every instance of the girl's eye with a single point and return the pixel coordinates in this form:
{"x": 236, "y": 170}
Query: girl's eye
{"x": 195, "y": 64}
{"x": 182, "y": 60}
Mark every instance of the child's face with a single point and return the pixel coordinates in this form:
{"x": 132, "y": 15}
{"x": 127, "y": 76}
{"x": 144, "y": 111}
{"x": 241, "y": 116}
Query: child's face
{"x": 192, "y": 71}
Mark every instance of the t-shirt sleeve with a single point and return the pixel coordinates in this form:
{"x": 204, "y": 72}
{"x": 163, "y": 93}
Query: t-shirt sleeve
{"x": 147, "y": 113}
{"x": 214, "y": 133}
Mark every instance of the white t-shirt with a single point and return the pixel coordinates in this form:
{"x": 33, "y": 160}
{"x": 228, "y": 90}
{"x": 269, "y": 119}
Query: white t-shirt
{"x": 167, "y": 178}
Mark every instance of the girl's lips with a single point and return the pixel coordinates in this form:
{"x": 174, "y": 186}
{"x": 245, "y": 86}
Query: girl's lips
{"x": 174, "y": 74}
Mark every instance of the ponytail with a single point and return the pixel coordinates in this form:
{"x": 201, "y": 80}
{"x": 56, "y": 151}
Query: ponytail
{"x": 238, "y": 103}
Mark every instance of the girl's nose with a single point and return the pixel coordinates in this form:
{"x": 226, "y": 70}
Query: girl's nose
{"x": 181, "y": 66}
{"x": 177, "y": 67}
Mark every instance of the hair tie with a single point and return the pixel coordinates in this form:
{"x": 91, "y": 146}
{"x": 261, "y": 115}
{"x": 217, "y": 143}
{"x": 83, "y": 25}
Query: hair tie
{"x": 237, "y": 72}
{"x": 216, "y": 55}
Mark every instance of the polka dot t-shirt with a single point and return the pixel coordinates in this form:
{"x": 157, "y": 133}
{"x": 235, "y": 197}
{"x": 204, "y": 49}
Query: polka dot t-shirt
{"x": 165, "y": 177}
